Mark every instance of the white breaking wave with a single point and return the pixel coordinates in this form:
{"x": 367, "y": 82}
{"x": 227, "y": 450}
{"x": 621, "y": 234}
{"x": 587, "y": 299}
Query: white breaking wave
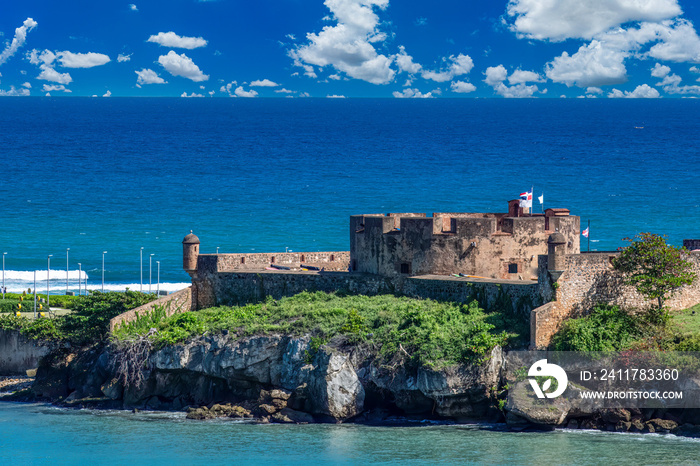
{"x": 28, "y": 276}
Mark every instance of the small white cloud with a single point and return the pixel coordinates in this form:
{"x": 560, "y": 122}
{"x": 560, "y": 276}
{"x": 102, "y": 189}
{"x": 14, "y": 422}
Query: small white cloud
{"x": 240, "y": 92}
{"x": 170, "y": 39}
{"x": 81, "y": 60}
{"x": 18, "y": 40}
{"x": 133, "y": 7}
{"x": 290, "y": 36}
{"x": 462, "y": 87}
{"x": 12, "y": 92}
{"x": 405, "y": 62}
{"x": 335, "y": 77}
{"x": 660, "y": 71}
{"x": 495, "y": 77}
{"x": 304, "y": 94}
{"x": 107, "y": 94}
{"x": 594, "y": 90}
{"x": 284, "y": 91}
{"x": 54, "y": 87}
{"x": 672, "y": 85}
{"x": 50, "y": 74}
{"x": 411, "y": 94}
{"x": 263, "y": 83}
{"x": 519, "y": 76}
{"x": 148, "y": 76}
{"x": 461, "y": 64}
{"x": 640, "y": 92}
{"x": 27, "y": 85}
{"x": 334, "y": 96}
{"x": 184, "y": 94}
{"x": 182, "y": 65}
{"x": 122, "y": 58}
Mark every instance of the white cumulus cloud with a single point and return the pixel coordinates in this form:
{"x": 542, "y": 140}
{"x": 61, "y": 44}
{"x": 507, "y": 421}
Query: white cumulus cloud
{"x": 640, "y": 92}
{"x": 12, "y": 92}
{"x": 411, "y": 94}
{"x": 81, "y": 60}
{"x": 660, "y": 71}
{"x": 335, "y": 96}
{"x": 594, "y": 64}
{"x": 133, "y": 7}
{"x": 148, "y": 76}
{"x": 263, "y": 83}
{"x": 240, "y": 92}
{"x": 170, "y": 39}
{"x": 107, "y": 94}
{"x": 497, "y": 75}
{"x": 558, "y": 20}
{"x": 459, "y": 65}
{"x": 182, "y": 65}
{"x": 672, "y": 84}
{"x": 54, "y": 87}
{"x": 348, "y": 46}
{"x": 18, "y": 40}
{"x": 184, "y": 94}
{"x": 122, "y": 58}
{"x": 405, "y": 62}
{"x": 462, "y": 87}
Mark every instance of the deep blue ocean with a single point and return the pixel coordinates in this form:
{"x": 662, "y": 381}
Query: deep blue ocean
{"x": 263, "y": 175}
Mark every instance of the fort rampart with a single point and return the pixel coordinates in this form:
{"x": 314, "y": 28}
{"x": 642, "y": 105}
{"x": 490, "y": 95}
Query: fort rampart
{"x": 589, "y": 279}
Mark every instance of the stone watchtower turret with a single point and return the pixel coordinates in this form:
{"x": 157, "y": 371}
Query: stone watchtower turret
{"x": 556, "y": 255}
{"x": 190, "y": 253}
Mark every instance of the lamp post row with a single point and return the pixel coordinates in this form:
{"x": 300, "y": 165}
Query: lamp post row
{"x": 80, "y": 274}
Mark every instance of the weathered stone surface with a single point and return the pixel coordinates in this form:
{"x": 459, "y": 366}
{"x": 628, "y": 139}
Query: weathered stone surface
{"x": 334, "y": 387}
{"x": 113, "y": 389}
{"x": 661, "y": 425}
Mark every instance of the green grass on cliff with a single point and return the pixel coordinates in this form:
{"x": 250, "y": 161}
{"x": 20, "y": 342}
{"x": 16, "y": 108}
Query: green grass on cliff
{"x": 609, "y": 328}
{"x": 425, "y": 331}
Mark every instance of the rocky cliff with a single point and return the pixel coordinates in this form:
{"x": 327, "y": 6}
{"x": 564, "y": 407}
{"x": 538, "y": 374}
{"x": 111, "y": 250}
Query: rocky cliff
{"x": 336, "y": 383}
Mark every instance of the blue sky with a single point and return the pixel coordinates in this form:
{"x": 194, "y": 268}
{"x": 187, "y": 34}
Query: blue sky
{"x": 351, "y": 48}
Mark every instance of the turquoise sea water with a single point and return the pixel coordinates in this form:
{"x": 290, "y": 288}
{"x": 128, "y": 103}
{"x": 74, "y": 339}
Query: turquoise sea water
{"x": 39, "y": 434}
{"x": 116, "y": 175}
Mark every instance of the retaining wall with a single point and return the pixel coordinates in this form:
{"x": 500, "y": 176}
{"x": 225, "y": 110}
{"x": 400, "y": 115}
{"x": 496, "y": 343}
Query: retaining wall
{"x": 174, "y": 303}
{"x": 19, "y": 354}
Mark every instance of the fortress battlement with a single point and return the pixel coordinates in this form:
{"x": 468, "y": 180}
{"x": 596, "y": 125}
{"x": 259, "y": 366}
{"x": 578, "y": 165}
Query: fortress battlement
{"x": 501, "y": 245}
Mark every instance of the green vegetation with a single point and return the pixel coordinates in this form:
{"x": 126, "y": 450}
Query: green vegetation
{"x": 655, "y": 269}
{"x": 425, "y": 332}
{"x": 87, "y": 323}
{"x": 606, "y": 328}
{"x": 609, "y": 328}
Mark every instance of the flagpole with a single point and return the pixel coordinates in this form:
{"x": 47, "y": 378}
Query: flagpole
{"x": 589, "y": 236}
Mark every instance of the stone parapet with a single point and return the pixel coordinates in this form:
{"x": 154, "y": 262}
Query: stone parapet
{"x": 174, "y": 303}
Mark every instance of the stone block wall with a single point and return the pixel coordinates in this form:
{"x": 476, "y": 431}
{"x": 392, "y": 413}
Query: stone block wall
{"x": 331, "y": 261}
{"x": 174, "y": 303}
{"x": 589, "y": 279}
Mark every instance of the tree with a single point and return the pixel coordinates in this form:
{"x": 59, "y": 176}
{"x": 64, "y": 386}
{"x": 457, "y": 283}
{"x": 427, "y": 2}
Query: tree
{"x": 656, "y": 269}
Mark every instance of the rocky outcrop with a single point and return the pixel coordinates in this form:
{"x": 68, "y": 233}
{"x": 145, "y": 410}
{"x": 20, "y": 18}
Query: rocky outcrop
{"x": 275, "y": 378}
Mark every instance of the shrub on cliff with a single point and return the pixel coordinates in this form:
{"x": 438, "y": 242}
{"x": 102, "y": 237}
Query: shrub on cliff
{"x": 606, "y": 328}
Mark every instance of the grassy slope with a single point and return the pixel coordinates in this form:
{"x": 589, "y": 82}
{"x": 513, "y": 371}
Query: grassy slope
{"x": 430, "y": 332}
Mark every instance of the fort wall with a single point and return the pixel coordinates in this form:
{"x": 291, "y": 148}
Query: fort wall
{"x": 232, "y": 288}
{"x": 491, "y": 245}
{"x": 589, "y": 279}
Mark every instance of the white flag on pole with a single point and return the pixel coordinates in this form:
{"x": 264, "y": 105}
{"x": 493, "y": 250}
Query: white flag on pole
{"x": 541, "y": 199}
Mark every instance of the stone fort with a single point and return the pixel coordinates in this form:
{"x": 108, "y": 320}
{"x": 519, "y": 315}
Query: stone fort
{"x": 531, "y": 261}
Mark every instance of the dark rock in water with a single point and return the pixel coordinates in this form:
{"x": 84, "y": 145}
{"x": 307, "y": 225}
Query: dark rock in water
{"x": 296, "y": 416}
{"x": 573, "y": 424}
{"x": 614, "y": 416}
{"x": 687, "y": 430}
{"x": 517, "y": 423}
{"x": 661, "y": 425}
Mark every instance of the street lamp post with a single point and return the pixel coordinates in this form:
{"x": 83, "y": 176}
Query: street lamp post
{"x": 158, "y": 286}
{"x": 67, "y": 249}
{"x": 141, "y": 287}
{"x": 103, "y": 270}
{"x": 217, "y": 249}
{"x": 80, "y": 276}
{"x": 3, "y": 274}
{"x": 48, "y": 287}
{"x": 150, "y": 274}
